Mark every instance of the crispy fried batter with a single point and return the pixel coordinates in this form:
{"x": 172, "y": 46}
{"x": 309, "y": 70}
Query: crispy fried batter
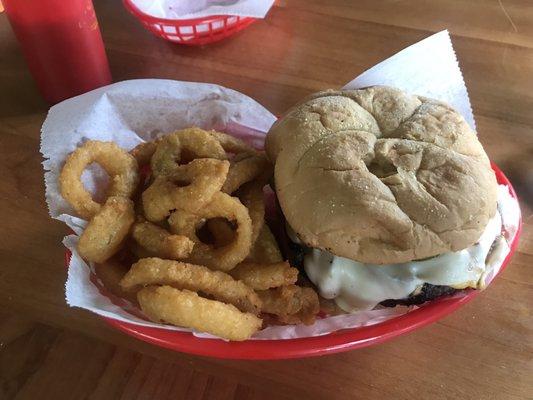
{"x": 231, "y": 144}
{"x": 107, "y": 231}
{"x": 222, "y": 258}
{"x": 187, "y": 309}
{"x": 219, "y": 285}
{"x": 291, "y": 304}
{"x": 251, "y": 196}
{"x": 265, "y": 276}
{"x": 160, "y": 242}
{"x": 143, "y": 152}
{"x": 196, "y": 142}
{"x": 245, "y": 170}
{"x": 186, "y": 212}
{"x": 121, "y": 167}
{"x": 265, "y": 249}
{"x": 188, "y": 187}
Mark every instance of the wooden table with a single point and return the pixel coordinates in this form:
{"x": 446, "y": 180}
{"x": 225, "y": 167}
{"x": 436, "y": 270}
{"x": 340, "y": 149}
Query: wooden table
{"x": 483, "y": 351}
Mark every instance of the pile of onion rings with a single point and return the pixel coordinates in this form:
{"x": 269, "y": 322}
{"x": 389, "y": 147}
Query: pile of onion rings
{"x": 182, "y": 233}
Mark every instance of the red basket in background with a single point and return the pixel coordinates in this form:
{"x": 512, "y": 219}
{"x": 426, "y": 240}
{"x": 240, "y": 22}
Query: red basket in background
{"x": 196, "y": 31}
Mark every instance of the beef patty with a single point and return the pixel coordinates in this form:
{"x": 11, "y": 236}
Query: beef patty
{"x": 295, "y": 253}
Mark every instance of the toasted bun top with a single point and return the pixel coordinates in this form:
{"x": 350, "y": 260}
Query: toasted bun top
{"x": 380, "y": 176}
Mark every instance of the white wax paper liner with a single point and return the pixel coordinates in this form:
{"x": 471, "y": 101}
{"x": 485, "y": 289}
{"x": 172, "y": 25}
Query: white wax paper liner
{"x": 191, "y": 9}
{"x": 428, "y": 68}
{"x": 131, "y": 112}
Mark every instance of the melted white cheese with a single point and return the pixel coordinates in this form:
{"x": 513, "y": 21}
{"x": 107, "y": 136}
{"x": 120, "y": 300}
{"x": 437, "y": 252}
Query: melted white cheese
{"x": 357, "y": 286}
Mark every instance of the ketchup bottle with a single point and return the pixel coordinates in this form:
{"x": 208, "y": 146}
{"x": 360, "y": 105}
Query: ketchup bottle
{"x": 62, "y": 45}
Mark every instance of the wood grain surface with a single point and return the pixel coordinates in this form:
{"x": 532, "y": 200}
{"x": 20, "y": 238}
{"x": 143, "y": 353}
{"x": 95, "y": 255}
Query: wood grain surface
{"x": 482, "y": 351}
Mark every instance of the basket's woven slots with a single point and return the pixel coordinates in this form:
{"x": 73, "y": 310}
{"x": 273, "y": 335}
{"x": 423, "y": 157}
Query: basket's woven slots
{"x": 191, "y": 31}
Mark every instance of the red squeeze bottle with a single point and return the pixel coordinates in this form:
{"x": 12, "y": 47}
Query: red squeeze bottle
{"x": 62, "y": 45}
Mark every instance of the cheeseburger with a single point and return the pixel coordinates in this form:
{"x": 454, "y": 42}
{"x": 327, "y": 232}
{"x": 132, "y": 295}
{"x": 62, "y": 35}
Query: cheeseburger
{"x": 389, "y": 197}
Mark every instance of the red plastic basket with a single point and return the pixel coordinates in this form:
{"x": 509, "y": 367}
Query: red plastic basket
{"x": 335, "y": 342}
{"x": 193, "y": 32}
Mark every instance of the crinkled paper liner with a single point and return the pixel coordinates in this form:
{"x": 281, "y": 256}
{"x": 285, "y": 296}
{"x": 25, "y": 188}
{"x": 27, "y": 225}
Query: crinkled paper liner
{"x": 191, "y": 9}
{"x": 131, "y": 112}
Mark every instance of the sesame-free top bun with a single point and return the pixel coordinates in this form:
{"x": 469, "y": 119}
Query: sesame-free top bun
{"x": 380, "y": 176}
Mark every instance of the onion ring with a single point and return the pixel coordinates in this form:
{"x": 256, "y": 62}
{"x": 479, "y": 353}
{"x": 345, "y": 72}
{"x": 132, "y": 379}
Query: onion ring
{"x": 265, "y": 276}
{"x": 185, "y": 308}
{"x": 231, "y": 144}
{"x": 291, "y": 304}
{"x": 219, "y": 285}
{"x": 121, "y": 167}
{"x": 106, "y": 232}
{"x": 250, "y": 167}
{"x": 137, "y": 251}
{"x": 160, "y": 242}
{"x": 226, "y": 257}
{"x": 265, "y": 249}
{"x": 196, "y": 142}
{"x": 143, "y": 152}
{"x": 251, "y": 196}
{"x": 188, "y": 187}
